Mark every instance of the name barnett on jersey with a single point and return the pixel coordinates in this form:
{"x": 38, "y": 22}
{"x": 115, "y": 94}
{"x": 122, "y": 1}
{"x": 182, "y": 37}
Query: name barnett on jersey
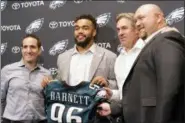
{"x": 71, "y": 98}
{"x": 10, "y": 27}
{"x": 17, "y": 5}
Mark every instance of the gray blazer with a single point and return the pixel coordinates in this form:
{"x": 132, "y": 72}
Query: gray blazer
{"x": 102, "y": 65}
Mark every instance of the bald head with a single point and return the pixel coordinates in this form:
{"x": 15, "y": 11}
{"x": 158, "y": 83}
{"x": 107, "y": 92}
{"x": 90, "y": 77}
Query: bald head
{"x": 149, "y": 19}
{"x": 151, "y": 8}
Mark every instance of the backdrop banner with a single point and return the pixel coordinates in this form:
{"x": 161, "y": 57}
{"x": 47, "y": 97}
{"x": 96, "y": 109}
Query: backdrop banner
{"x": 53, "y": 22}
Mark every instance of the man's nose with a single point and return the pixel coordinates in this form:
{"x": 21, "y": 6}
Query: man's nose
{"x": 121, "y": 32}
{"x": 29, "y": 49}
{"x": 138, "y": 23}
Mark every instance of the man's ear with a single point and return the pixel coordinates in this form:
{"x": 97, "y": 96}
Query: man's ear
{"x": 94, "y": 33}
{"x": 40, "y": 51}
{"x": 159, "y": 17}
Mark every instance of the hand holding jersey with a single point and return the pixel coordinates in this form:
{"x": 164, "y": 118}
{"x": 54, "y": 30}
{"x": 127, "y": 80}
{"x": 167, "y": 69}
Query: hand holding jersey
{"x": 99, "y": 80}
{"x": 46, "y": 80}
{"x": 104, "y": 109}
{"x": 66, "y": 103}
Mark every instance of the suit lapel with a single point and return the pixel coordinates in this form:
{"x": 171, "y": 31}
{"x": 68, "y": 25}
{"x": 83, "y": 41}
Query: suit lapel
{"x": 66, "y": 70}
{"x": 135, "y": 62}
{"x": 97, "y": 57}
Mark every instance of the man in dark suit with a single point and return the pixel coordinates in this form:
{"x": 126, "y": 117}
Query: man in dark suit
{"x": 154, "y": 89}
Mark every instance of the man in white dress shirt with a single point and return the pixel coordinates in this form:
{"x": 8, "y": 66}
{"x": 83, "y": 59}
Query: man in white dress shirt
{"x": 131, "y": 46}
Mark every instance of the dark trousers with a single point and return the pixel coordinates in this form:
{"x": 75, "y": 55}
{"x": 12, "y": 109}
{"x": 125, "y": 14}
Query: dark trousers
{"x": 108, "y": 119}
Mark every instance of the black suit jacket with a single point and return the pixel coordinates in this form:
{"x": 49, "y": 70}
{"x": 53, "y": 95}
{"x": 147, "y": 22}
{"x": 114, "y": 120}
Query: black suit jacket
{"x": 154, "y": 89}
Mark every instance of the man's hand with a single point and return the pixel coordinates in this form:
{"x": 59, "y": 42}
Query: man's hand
{"x": 99, "y": 80}
{"x": 104, "y": 109}
{"x": 46, "y": 80}
{"x": 108, "y": 92}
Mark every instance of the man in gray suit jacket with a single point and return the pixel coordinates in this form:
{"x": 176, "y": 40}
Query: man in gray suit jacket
{"x": 86, "y": 60}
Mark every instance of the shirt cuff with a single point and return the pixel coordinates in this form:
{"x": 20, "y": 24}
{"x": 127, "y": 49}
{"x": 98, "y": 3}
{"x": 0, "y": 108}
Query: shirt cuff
{"x": 115, "y": 95}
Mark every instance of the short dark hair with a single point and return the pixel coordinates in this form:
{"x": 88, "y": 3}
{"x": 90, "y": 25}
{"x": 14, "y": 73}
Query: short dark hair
{"x": 88, "y": 17}
{"x": 33, "y": 36}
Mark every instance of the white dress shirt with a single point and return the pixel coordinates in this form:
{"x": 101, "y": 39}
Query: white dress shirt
{"x": 80, "y": 66}
{"x": 123, "y": 65}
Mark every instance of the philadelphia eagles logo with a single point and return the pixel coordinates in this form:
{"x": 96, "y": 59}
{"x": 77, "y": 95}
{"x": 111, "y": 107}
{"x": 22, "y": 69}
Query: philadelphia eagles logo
{"x": 175, "y": 16}
{"x": 121, "y": 1}
{"x": 3, "y": 47}
{"x": 3, "y": 5}
{"x": 103, "y": 19}
{"x": 35, "y": 26}
{"x": 56, "y": 4}
{"x": 59, "y": 47}
{"x": 119, "y": 48}
{"x": 78, "y": 1}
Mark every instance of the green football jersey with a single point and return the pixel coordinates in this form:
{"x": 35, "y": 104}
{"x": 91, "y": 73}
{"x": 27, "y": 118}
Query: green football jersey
{"x": 72, "y": 104}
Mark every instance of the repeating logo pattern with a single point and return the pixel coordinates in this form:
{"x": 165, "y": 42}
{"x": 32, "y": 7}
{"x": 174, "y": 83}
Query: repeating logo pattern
{"x": 175, "y": 16}
{"x": 60, "y": 24}
{"x": 121, "y": 1}
{"x": 3, "y": 5}
{"x": 35, "y": 26}
{"x": 119, "y": 48}
{"x": 16, "y": 6}
{"x": 16, "y": 49}
{"x": 104, "y": 45}
{"x": 27, "y": 4}
{"x": 81, "y": 1}
{"x": 10, "y": 27}
{"x": 53, "y": 24}
{"x": 103, "y": 19}
{"x": 3, "y": 47}
{"x": 56, "y": 4}
{"x": 59, "y": 47}
{"x": 78, "y": 1}
{"x": 39, "y": 22}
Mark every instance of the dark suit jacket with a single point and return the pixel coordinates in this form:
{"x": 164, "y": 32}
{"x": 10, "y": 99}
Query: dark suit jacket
{"x": 154, "y": 90}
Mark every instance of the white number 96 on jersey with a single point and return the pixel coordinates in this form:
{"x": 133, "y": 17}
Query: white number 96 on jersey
{"x": 59, "y": 112}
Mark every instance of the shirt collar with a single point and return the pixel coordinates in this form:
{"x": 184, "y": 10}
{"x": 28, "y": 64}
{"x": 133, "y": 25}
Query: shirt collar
{"x": 21, "y": 64}
{"x": 152, "y": 35}
{"x": 138, "y": 45}
{"x": 91, "y": 49}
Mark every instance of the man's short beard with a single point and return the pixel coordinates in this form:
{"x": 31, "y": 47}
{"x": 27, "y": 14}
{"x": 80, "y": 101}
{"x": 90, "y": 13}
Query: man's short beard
{"x": 83, "y": 44}
{"x": 144, "y": 37}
